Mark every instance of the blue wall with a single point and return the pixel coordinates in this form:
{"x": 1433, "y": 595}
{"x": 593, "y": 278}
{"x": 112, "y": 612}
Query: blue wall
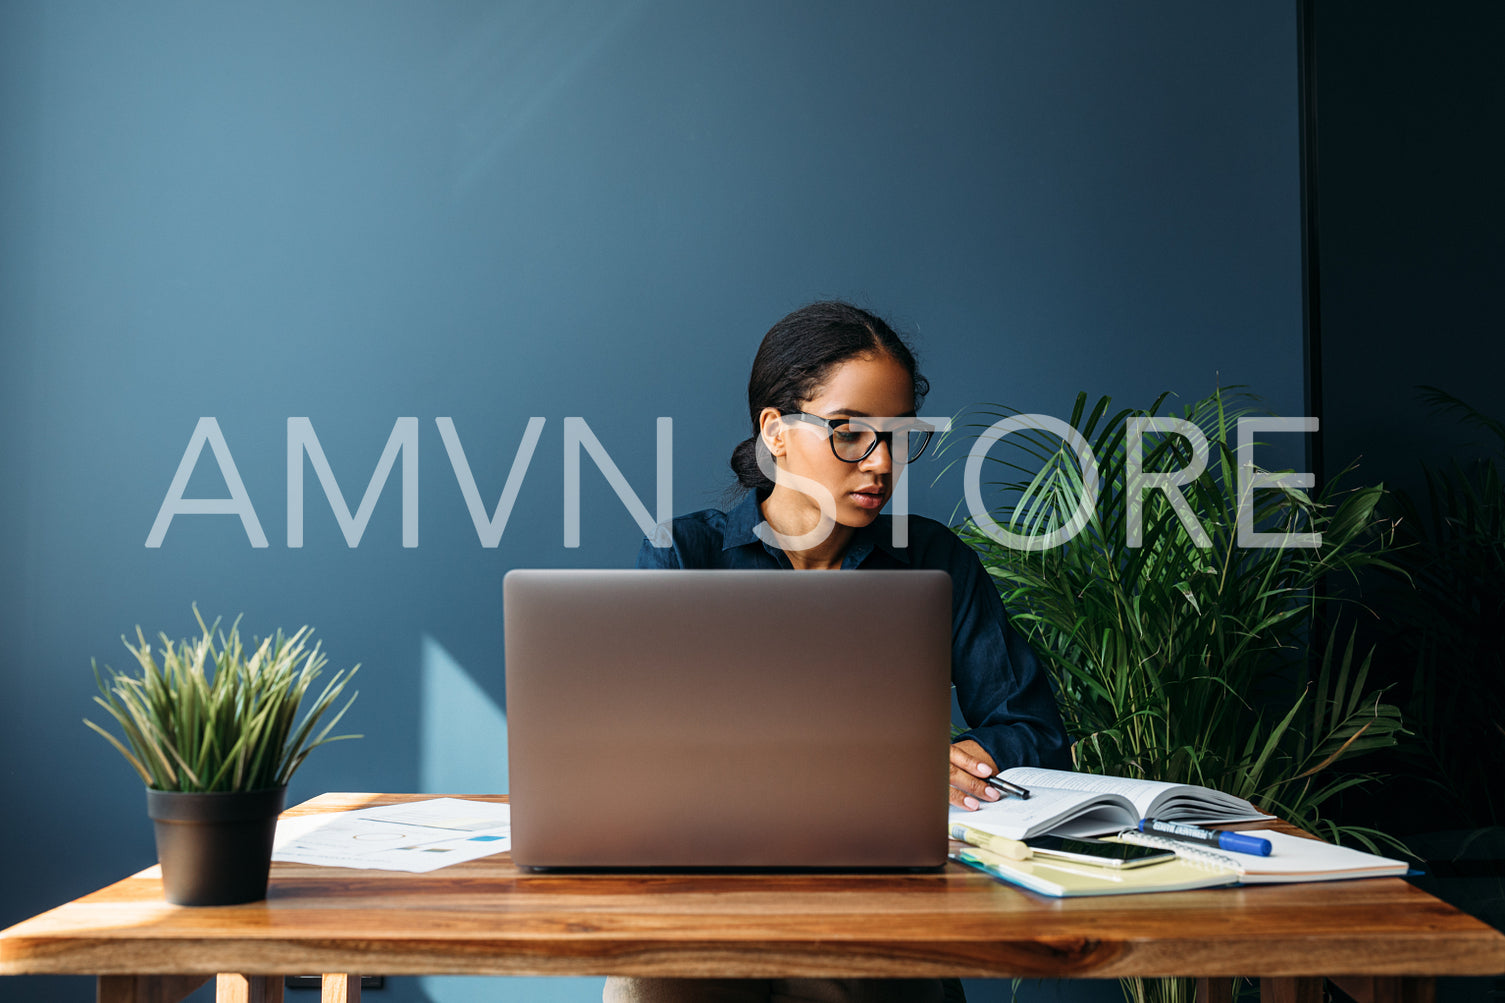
{"x": 356, "y": 212}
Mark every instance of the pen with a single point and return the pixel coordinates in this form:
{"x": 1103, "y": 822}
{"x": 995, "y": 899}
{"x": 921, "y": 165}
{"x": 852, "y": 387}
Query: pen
{"x": 1238, "y": 842}
{"x": 1008, "y": 788}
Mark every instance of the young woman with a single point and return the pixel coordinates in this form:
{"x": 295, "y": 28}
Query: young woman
{"x": 821, "y": 381}
{"x": 819, "y": 373}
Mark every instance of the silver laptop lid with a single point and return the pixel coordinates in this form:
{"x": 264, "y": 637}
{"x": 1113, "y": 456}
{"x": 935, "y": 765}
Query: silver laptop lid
{"x": 728, "y": 718}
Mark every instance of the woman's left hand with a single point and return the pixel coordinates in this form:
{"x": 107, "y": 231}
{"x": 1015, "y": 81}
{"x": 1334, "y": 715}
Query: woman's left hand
{"x": 970, "y": 763}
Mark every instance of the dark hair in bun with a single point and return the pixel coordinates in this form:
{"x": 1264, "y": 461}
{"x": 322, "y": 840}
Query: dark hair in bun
{"x": 797, "y": 356}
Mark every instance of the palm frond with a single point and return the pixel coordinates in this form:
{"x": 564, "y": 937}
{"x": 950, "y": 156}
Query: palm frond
{"x": 1182, "y": 655}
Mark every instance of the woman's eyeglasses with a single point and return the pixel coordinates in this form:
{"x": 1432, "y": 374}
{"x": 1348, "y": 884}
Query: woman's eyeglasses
{"x": 852, "y": 439}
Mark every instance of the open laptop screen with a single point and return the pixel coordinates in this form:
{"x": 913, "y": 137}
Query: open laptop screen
{"x": 728, "y": 718}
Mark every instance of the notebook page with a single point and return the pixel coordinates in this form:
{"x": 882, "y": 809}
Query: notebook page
{"x": 1140, "y": 792}
{"x": 1292, "y": 858}
{"x": 1296, "y": 855}
{"x": 1016, "y": 817}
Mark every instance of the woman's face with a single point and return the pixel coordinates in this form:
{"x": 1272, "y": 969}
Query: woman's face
{"x": 874, "y": 386}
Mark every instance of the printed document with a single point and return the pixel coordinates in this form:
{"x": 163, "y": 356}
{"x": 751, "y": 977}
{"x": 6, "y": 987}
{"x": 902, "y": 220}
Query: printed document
{"x": 419, "y": 836}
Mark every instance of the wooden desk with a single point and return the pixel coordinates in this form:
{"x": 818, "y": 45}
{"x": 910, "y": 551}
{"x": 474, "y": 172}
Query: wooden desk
{"x": 488, "y": 918}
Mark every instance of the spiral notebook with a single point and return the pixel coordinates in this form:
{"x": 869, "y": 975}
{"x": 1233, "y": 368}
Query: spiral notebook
{"x": 1292, "y": 858}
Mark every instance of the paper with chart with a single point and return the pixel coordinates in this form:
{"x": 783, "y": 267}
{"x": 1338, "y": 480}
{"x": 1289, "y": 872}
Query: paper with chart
{"x": 419, "y": 836}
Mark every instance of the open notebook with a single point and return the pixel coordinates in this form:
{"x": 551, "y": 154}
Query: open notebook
{"x": 1083, "y": 804}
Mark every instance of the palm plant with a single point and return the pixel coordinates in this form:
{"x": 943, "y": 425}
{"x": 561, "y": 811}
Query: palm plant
{"x": 1184, "y": 659}
{"x": 235, "y": 729}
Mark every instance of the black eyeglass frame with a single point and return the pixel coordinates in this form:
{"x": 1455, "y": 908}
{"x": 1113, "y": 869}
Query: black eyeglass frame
{"x": 925, "y": 429}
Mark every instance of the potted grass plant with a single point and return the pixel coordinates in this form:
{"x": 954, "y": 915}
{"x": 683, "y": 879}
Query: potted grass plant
{"x": 212, "y": 728}
{"x": 1186, "y": 657}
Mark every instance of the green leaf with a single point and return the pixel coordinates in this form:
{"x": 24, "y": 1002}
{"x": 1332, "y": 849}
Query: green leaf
{"x": 1184, "y": 662}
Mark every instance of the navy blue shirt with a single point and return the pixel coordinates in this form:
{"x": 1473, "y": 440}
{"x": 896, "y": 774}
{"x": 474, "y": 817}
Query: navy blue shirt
{"x": 1003, "y": 693}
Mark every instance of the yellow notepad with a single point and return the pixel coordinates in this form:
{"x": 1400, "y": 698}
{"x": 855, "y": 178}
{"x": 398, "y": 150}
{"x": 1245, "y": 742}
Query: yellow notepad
{"x": 1060, "y": 879}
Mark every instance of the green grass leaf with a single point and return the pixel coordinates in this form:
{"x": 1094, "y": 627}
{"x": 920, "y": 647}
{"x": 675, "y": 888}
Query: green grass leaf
{"x": 204, "y": 715}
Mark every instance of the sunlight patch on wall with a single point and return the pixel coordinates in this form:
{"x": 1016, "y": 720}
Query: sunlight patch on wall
{"x": 462, "y": 741}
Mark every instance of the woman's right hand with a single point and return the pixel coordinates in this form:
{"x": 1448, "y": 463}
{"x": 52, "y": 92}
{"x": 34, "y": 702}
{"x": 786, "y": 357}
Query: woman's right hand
{"x": 970, "y": 765}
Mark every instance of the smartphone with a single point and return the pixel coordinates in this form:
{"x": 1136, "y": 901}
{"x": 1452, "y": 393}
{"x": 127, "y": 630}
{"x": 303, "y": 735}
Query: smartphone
{"x": 1098, "y": 852}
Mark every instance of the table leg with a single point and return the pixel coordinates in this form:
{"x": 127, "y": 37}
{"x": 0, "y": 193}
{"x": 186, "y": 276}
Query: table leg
{"x": 1214, "y": 991}
{"x": 341, "y": 989}
{"x": 248, "y": 989}
{"x": 1290, "y": 990}
{"x": 146, "y": 988}
{"x": 1396, "y": 989}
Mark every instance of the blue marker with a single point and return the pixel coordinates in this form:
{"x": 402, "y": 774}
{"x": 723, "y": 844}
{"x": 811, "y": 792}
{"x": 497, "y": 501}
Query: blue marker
{"x": 1238, "y": 842}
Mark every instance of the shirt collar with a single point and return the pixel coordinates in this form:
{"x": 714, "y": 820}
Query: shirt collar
{"x": 878, "y": 534}
{"x": 746, "y": 515}
{"x": 740, "y": 522}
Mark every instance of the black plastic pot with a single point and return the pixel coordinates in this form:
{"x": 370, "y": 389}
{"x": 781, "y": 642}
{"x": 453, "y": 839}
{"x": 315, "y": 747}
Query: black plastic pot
{"x": 215, "y": 847}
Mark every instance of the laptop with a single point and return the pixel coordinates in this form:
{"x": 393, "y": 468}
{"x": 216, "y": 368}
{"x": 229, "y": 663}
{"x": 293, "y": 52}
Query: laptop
{"x": 728, "y": 719}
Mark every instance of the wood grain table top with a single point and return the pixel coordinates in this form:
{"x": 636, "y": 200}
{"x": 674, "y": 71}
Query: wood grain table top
{"x": 487, "y": 917}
